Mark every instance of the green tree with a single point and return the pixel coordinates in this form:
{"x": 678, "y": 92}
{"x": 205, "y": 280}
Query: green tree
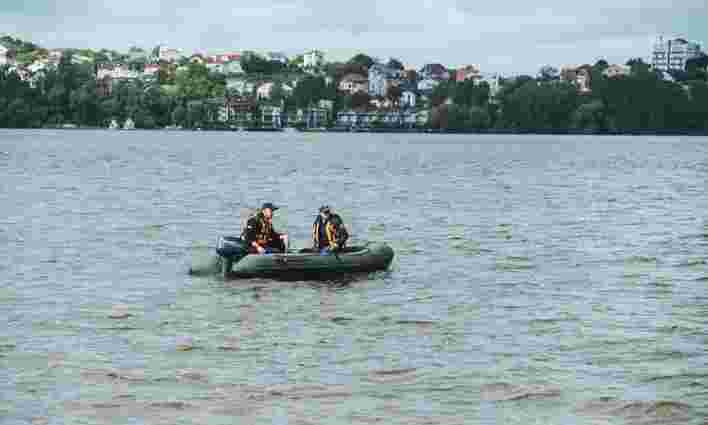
{"x": 362, "y": 60}
{"x": 309, "y": 91}
{"x": 548, "y": 73}
{"x": 360, "y": 99}
{"x": 394, "y": 94}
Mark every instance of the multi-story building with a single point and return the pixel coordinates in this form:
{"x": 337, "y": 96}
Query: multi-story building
{"x": 313, "y": 59}
{"x": 672, "y": 54}
{"x": 381, "y": 78}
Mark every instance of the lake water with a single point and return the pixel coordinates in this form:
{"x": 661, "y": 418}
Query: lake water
{"x": 537, "y": 280}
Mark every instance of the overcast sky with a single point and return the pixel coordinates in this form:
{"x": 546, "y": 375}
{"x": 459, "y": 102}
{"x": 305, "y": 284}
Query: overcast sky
{"x": 510, "y": 37}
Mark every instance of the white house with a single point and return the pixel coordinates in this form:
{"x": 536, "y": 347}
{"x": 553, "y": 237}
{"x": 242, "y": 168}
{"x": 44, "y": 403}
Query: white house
{"x": 352, "y": 83}
{"x": 6, "y": 57}
{"x": 427, "y": 84}
{"x": 381, "y": 78}
{"x": 215, "y": 64}
{"x": 468, "y": 72}
{"x": 169, "y": 54}
{"x": 313, "y": 59}
{"x": 277, "y": 57}
{"x": 408, "y": 99}
{"x": 494, "y": 82}
{"x": 116, "y": 72}
{"x": 613, "y": 71}
{"x": 240, "y": 85}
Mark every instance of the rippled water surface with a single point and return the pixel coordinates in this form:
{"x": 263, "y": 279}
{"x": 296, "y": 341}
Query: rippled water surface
{"x": 537, "y": 279}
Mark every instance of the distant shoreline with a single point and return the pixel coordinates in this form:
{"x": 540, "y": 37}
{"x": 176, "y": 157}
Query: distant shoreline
{"x": 556, "y": 132}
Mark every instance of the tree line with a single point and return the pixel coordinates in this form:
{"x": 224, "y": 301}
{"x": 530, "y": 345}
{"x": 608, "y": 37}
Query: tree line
{"x": 641, "y": 100}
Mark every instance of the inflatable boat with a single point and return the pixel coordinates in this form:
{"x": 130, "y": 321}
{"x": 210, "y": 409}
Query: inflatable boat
{"x": 235, "y": 261}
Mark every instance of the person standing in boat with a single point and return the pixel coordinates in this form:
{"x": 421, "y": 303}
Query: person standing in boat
{"x": 328, "y": 231}
{"x": 259, "y": 233}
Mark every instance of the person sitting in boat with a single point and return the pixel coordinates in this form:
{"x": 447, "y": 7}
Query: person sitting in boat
{"x": 259, "y": 233}
{"x": 328, "y": 231}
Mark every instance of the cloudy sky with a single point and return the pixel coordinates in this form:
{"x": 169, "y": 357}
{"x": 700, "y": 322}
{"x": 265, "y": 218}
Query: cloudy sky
{"x": 510, "y": 37}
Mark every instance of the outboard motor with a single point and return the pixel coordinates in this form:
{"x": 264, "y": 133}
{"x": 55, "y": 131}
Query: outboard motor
{"x": 231, "y": 249}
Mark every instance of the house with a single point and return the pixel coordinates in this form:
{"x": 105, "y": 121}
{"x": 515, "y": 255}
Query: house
{"x": 240, "y": 110}
{"x": 7, "y": 56}
{"x": 430, "y": 76}
{"x": 277, "y": 57}
{"x": 233, "y": 56}
{"x": 381, "y": 78}
{"x": 168, "y": 54}
{"x": 381, "y": 102}
{"x": 468, "y": 72}
{"x": 107, "y": 75}
{"x": 352, "y": 83}
{"x": 408, "y": 98}
{"x": 232, "y": 67}
{"x": 104, "y": 86}
{"x": 578, "y": 75}
{"x": 21, "y": 71}
{"x": 434, "y": 71}
{"x": 116, "y": 72}
{"x": 215, "y": 64}
{"x": 313, "y": 59}
{"x": 151, "y": 69}
{"x": 240, "y": 85}
{"x": 426, "y": 85}
{"x": 613, "y": 71}
{"x": 55, "y": 56}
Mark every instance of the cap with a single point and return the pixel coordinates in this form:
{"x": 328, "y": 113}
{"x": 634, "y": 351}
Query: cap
{"x": 269, "y": 205}
{"x": 325, "y": 209}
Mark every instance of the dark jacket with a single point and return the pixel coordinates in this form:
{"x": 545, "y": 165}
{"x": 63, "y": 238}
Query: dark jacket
{"x": 260, "y": 230}
{"x": 329, "y": 233}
